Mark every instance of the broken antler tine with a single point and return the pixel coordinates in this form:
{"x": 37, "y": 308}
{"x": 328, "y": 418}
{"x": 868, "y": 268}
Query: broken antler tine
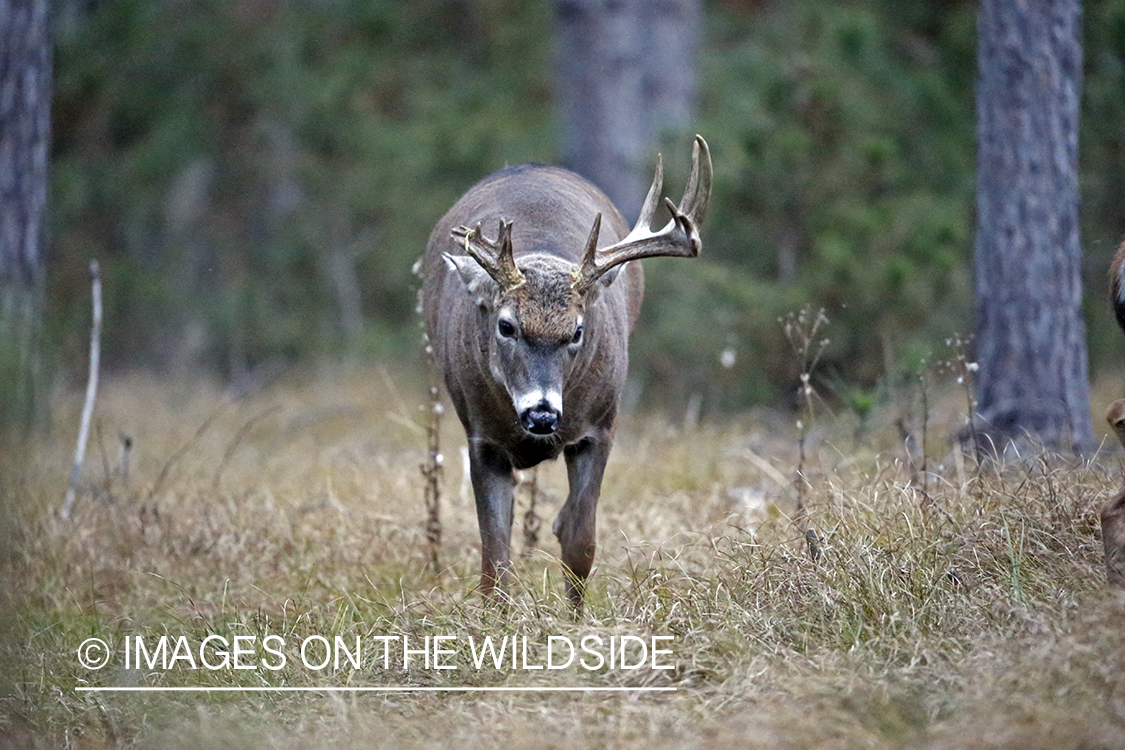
{"x": 470, "y": 234}
{"x": 473, "y": 241}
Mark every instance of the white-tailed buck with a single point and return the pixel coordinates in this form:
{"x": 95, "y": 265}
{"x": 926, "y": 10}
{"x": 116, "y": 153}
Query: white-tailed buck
{"x": 531, "y": 331}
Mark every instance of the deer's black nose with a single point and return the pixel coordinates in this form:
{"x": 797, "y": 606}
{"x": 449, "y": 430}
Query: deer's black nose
{"x": 541, "y": 419}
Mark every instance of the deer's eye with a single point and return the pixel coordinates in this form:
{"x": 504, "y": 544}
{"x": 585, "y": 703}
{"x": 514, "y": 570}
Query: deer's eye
{"x": 577, "y": 338}
{"x": 506, "y": 328}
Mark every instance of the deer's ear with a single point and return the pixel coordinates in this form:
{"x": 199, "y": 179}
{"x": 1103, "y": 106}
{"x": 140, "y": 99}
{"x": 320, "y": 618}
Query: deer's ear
{"x": 475, "y": 280}
{"x": 605, "y": 281}
{"x": 610, "y": 276}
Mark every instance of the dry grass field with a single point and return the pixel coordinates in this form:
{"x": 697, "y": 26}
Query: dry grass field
{"x": 972, "y": 615}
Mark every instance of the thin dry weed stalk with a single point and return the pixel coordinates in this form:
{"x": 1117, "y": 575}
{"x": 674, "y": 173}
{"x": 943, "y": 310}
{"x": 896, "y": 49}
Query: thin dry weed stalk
{"x": 915, "y": 443}
{"x": 964, "y": 370}
{"x": 802, "y": 329}
{"x": 432, "y": 474}
{"x": 432, "y": 467}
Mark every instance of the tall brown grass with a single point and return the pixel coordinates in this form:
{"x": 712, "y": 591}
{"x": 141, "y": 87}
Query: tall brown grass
{"x": 974, "y": 614}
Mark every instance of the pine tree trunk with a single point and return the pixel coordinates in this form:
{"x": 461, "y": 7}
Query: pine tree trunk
{"x": 1031, "y": 338}
{"x": 626, "y": 73}
{"x": 25, "y": 117}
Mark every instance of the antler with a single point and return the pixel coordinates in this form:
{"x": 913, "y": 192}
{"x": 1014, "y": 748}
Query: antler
{"x": 494, "y": 257}
{"x": 679, "y": 237}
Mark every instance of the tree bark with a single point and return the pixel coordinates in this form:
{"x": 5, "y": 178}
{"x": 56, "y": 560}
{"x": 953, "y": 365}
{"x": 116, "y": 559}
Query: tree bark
{"x": 25, "y": 118}
{"x": 626, "y": 73}
{"x": 1031, "y": 337}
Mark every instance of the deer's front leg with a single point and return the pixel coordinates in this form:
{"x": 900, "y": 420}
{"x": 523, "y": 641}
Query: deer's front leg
{"x": 494, "y": 490}
{"x": 575, "y": 526}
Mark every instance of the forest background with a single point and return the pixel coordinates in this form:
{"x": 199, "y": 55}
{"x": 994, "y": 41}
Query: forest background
{"x": 258, "y": 178}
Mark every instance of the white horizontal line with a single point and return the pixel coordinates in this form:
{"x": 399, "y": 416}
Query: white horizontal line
{"x": 372, "y": 689}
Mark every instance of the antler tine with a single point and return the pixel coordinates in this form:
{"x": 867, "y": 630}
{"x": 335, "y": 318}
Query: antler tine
{"x": 587, "y": 272}
{"x": 653, "y": 197}
{"x": 589, "y": 257}
{"x": 679, "y": 237}
{"x": 697, "y": 194}
{"x": 496, "y": 258}
{"x": 505, "y": 257}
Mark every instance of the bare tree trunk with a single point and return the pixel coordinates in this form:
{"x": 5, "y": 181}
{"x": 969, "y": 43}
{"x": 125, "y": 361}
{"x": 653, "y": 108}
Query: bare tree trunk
{"x": 669, "y": 57}
{"x": 1031, "y": 338}
{"x": 25, "y": 119}
{"x": 626, "y": 73}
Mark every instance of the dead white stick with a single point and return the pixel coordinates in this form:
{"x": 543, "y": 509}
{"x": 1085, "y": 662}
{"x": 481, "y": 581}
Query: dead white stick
{"x": 91, "y": 389}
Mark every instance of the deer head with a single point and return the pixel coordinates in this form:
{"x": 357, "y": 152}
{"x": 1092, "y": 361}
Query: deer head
{"x": 538, "y": 303}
